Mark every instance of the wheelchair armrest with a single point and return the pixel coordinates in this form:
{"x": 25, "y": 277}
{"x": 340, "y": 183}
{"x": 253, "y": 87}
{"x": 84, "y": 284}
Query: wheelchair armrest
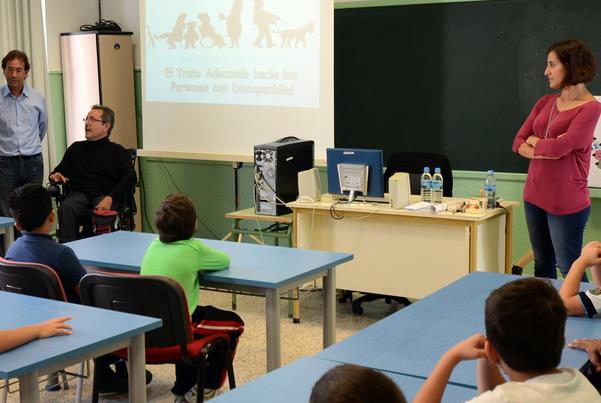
{"x": 105, "y": 213}
{"x": 54, "y": 189}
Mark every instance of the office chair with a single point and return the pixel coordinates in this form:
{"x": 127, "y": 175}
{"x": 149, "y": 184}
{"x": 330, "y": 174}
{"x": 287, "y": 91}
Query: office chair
{"x": 102, "y": 222}
{"x": 412, "y": 163}
{"x": 175, "y": 342}
{"x": 36, "y": 280}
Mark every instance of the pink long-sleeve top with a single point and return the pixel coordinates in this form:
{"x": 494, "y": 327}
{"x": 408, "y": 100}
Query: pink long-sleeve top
{"x": 559, "y": 186}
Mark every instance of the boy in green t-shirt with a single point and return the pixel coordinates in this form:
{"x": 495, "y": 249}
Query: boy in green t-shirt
{"x": 176, "y": 255}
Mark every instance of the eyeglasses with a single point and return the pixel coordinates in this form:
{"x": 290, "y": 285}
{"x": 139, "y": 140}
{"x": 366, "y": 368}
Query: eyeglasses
{"x": 91, "y": 120}
{"x": 17, "y": 70}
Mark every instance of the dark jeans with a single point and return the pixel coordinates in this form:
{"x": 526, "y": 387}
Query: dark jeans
{"x": 556, "y": 239}
{"x": 16, "y": 172}
{"x": 185, "y": 375}
{"x": 74, "y": 211}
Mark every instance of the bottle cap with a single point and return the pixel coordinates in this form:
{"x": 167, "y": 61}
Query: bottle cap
{"x": 437, "y": 170}
{"x": 426, "y": 170}
{"x": 490, "y": 172}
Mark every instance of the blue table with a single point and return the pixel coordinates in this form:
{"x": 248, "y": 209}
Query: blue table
{"x": 6, "y": 226}
{"x": 95, "y": 332}
{"x": 412, "y": 340}
{"x": 294, "y": 382}
{"x": 260, "y": 269}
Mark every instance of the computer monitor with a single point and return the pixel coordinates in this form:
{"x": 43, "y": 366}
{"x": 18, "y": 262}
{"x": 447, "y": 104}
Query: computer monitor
{"x": 348, "y": 168}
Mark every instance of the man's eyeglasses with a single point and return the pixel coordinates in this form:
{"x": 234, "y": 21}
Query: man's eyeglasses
{"x": 91, "y": 120}
{"x": 17, "y": 70}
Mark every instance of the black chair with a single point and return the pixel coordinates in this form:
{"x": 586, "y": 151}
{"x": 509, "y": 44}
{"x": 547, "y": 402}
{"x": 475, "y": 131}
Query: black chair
{"x": 412, "y": 163}
{"x": 36, "y": 280}
{"x": 162, "y": 297}
{"x": 102, "y": 222}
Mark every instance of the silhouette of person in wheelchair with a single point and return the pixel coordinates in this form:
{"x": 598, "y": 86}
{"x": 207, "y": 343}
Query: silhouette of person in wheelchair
{"x": 98, "y": 176}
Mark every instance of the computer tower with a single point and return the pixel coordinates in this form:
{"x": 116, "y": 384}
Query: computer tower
{"x": 276, "y": 171}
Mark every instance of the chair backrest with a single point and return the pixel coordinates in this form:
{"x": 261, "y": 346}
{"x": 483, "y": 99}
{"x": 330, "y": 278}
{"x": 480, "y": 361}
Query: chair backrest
{"x": 33, "y": 279}
{"x": 413, "y": 163}
{"x": 155, "y": 296}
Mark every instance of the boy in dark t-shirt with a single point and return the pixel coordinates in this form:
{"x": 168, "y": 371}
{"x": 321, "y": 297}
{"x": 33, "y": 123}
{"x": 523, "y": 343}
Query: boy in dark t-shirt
{"x": 32, "y": 210}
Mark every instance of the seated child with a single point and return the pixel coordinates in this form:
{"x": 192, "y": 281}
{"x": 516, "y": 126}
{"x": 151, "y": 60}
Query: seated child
{"x": 176, "y": 255}
{"x": 583, "y": 303}
{"x": 34, "y": 216}
{"x": 12, "y": 338}
{"x": 32, "y": 210}
{"x": 525, "y": 325}
{"x": 354, "y": 384}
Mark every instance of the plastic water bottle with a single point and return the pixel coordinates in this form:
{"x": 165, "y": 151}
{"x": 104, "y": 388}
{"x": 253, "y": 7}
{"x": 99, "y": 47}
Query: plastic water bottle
{"x": 437, "y": 186}
{"x": 490, "y": 189}
{"x": 426, "y": 186}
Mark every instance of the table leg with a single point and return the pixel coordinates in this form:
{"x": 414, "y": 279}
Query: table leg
{"x": 329, "y": 308}
{"x": 28, "y": 387}
{"x": 508, "y": 239}
{"x": 137, "y": 373}
{"x": 274, "y": 342}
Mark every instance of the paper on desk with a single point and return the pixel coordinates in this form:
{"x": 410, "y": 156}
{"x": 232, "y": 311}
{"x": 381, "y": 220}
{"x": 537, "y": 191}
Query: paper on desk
{"x": 426, "y": 206}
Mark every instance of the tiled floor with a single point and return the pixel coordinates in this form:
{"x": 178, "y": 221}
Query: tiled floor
{"x": 298, "y": 340}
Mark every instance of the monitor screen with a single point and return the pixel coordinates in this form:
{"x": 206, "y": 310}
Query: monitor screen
{"x": 373, "y": 159}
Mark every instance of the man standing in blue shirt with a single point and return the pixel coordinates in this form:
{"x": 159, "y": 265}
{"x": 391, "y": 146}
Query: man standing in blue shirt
{"x": 23, "y": 121}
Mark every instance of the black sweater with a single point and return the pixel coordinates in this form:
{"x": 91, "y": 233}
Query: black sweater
{"x": 98, "y": 168}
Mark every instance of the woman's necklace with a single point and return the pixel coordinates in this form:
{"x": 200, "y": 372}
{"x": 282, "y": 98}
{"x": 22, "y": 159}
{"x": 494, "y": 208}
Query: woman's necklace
{"x": 552, "y": 118}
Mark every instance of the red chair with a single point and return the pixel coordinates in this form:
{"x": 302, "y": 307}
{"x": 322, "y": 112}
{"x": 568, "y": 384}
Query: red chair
{"x": 175, "y": 342}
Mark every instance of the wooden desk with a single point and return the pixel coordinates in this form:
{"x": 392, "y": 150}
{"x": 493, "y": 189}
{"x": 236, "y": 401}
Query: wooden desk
{"x": 281, "y": 232}
{"x": 257, "y": 269}
{"x": 405, "y": 253}
{"x": 95, "y": 332}
{"x": 418, "y": 335}
{"x": 281, "y": 229}
{"x": 294, "y": 383}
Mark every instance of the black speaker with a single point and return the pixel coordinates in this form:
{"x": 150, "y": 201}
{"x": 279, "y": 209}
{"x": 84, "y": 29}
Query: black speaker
{"x": 277, "y": 166}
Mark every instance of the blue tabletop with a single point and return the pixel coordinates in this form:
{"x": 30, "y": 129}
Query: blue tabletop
{"x": 294, "y": 382}
{"x": 6, "y": 222}
{"x": 92, "y": 329}
{"x": 412, "y": 340}
{"x": 251, "y": 265}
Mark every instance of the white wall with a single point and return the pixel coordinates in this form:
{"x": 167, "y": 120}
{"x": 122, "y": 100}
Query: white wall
{"x": 65, "y": 16}
{"x": 126, "y": 13}
{"x": 69, "y": 15}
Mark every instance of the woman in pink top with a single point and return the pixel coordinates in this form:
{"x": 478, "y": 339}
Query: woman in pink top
{"x": 557, "y": 138}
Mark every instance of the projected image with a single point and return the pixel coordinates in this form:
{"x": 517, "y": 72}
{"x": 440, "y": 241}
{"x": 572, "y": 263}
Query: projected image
{"x": 240, "y": 52}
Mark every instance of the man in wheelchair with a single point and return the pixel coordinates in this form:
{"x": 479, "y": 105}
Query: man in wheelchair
{"x": 97, "y": 173}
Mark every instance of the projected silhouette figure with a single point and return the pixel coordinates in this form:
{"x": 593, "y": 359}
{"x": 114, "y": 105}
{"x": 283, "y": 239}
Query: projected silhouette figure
{"x": 191, "y": 36}
{"x": 208, "y": 31}
{"x": 151, "y": 41}
{"x": 234, "y": 23}
{"x": 297, "y": 35}
{"x": 262, "y": 19}
{"x": 177, "y": 33}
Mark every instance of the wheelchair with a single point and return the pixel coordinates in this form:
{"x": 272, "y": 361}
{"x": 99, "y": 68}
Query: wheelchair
{"x": 101, "y": 222}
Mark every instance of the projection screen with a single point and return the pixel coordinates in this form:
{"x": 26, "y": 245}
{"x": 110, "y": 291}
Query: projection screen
{"x": 220, "y": 76}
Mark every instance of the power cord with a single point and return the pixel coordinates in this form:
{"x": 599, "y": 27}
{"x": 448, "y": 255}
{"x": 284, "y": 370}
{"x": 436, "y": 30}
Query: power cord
{"x": 179, "y": 191}
{"x": 102, "y": 25}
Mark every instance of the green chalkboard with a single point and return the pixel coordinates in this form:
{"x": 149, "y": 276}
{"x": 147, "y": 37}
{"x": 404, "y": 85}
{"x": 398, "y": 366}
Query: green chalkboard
{"x": 455, "y": 78}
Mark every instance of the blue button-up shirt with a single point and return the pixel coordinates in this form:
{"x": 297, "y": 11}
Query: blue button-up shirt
{"x": 23, "y": 122}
